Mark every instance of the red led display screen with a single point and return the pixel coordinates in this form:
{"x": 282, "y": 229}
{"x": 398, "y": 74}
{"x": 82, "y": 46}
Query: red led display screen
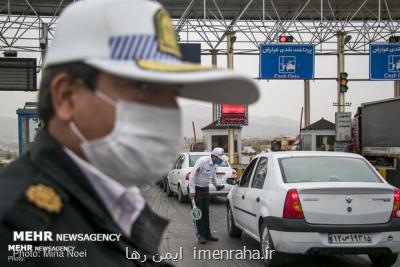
{"x": 232, "y": 115}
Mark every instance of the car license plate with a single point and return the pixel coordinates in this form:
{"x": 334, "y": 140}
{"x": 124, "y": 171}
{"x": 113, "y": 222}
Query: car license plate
{"x": 220, "y": 176}
{"x": 349, "y": 238}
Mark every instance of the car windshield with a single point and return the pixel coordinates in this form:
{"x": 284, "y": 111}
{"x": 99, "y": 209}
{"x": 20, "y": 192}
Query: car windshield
{"x": 326, "y": 169}
{"x": 194, "y": 158}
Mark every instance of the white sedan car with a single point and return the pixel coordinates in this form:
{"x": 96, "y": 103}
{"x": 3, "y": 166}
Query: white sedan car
{"x": 177, "y": 179}
{"x": 316, "y": 203}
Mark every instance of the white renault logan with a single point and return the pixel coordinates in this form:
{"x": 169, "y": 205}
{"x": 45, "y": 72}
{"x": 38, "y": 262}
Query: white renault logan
{"x": 316, "y": 203}
{"x": 177, "y": 179}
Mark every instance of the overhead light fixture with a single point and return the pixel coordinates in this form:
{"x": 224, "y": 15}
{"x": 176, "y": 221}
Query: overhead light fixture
{"x": 347, "y": 39}
{"x": 233, "y": 39}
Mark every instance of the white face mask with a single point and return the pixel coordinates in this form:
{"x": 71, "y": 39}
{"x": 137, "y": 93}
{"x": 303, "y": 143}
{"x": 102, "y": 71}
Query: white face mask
{"x": 142, "y": 146}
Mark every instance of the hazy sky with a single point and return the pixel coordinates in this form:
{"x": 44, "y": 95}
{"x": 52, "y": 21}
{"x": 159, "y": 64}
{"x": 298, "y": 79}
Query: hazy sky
{"x": 278, "y": 98}
{"x": 286, "y": 98}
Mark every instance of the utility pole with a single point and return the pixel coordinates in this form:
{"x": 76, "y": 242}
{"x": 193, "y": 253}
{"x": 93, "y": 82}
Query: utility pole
{"x": 340, "y": 69}
{"x": 396, "y": 88}
{"x": 231, "y": 38}
{"x": 214, "y": 62}
{"x": 306, "y": 103}
{"x": 43, "y": 38}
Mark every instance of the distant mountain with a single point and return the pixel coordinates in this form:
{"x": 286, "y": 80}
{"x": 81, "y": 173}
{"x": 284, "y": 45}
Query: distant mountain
{"x": 269, "y": 126}
{"x": 8, "y": 130}
{"x": 259, "y": 126}
{"x": 8, "y": 133}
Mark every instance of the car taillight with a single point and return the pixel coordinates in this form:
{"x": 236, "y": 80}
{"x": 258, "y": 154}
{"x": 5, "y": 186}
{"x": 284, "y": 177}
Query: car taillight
{"x": 234, "y": 174}
{"x": 188, "y": 176}
{"x": 396, "y": 204}
{"x": 292, "y": 208}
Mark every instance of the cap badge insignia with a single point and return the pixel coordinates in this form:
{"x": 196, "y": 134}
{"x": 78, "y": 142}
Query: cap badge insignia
{"x": 166, "y": 36}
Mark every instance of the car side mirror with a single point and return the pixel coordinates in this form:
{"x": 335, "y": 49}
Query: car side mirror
{"x": 231, "y": 181}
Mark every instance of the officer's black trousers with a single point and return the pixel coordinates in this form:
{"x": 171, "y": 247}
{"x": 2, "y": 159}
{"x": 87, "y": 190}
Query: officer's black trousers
{"x": 202, "y": 199}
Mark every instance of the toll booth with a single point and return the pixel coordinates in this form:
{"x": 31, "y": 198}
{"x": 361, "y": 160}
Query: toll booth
{"x": 28, "y": 124}
{"x": 217, "y": 136}
{"x": 319, "y": 136}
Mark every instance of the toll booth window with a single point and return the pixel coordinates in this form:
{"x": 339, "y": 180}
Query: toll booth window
{"x": 307, "y": 142}
{"x": 222, "y": 141}
{"x": 325, "y": 142}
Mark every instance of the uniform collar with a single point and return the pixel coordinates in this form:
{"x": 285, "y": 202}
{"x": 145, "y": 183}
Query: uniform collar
{"x": 47, "y": 154}
{"x": 111, "y": 192}
{"x": 108, "y": 189}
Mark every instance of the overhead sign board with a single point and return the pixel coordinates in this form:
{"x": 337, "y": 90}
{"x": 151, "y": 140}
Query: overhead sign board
{"x": 287, "y": 61}
{"x": 384, "y": 62}
{"x": 232, "y": 115}
{"x": 18, "y": 74}
{"x": 343, "y": 126}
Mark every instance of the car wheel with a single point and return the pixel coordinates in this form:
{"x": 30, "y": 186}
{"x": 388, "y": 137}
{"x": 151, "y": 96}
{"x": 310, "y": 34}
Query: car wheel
{"x": 233, "y": 230}
{"x": 267, "y": 247}
{"x": 169, "y": 191}
{"x": 165, "y": 183}
{"x": 383, "y": 260}
{"x": 181, "y": 197}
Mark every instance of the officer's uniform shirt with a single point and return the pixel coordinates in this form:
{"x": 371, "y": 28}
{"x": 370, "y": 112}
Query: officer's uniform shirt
{"x": 49, "y": 189}
{"x": 123, "y": 204}
{"x": 203, "y": 173}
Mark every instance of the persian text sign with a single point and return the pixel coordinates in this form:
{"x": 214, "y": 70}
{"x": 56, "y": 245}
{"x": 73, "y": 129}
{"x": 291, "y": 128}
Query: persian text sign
{"x": 287, "y": 61}
{"x": 384, "y": 62}
{"x": 343, "y": 126}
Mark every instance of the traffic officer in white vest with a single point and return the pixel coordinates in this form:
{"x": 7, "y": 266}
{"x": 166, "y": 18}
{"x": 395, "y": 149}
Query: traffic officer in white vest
{"x": 202, "y": 175}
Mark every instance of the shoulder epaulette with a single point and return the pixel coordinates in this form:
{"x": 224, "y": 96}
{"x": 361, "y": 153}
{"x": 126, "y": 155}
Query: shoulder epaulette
{"x": 37, "y": 208}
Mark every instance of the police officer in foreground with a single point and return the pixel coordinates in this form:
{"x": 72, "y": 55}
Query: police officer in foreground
{"x": 108, "y": 102}
{"x": 204, "y": 173}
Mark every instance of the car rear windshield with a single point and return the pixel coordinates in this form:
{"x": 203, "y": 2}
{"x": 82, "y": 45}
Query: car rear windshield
{"x": 326, "y": 169}
{"x": 194, "y": 158}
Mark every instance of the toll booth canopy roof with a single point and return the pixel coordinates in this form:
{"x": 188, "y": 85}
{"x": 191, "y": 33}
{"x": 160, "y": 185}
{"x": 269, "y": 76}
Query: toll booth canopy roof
{"x": 322, "y": 124}
{"x": 230, "y": 9}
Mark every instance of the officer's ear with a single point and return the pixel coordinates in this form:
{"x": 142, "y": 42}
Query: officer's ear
{"x": 63, "y": 88}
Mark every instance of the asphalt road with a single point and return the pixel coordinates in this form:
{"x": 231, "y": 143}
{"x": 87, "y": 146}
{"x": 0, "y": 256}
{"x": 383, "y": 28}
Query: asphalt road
{"x": 180, "y": 235}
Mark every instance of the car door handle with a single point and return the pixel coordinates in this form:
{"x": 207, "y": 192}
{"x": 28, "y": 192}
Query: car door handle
{"x": 258, "y": 199}
{"x": 242, "y": 196}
